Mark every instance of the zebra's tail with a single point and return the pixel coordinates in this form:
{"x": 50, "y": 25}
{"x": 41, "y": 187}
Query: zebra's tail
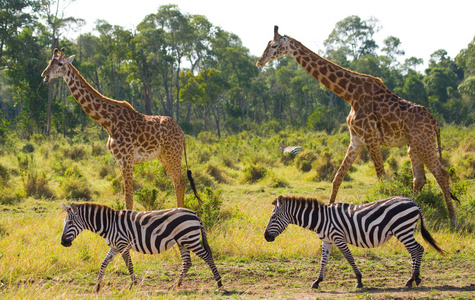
{"x": 428, "y": 237}
{"x": 204, "y": 239}
{"x": 190, "y": 178}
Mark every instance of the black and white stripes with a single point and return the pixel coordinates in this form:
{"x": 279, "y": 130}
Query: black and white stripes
{"x": 366, "y": 225}
{"x": 149, "y": 232}
{"x": 290, "y": 150}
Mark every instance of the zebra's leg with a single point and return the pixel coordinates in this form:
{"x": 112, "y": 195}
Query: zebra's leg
{"x": 349, "y": 257}
{"x": 130, "y": 266}
{"x": 186, "y": 259}
{"x": 415, "y": 250}
{"x": 110, "y": 255}
{"x": 204, "y": 252}
{"x": 326, "y": 249}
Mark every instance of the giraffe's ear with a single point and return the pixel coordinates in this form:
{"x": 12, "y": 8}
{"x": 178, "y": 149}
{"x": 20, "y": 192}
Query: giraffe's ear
{"x": 276, "y": 33}
{"x": 70, "y": 59}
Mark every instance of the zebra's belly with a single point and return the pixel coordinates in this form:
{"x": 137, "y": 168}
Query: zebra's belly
{"x": 155, "y": 247}
{"x": 369, "y": 241}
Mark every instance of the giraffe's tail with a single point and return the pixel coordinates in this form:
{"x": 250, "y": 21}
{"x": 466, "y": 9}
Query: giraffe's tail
{"x": 190, "y": 177}
{"x": 437, "y": 133}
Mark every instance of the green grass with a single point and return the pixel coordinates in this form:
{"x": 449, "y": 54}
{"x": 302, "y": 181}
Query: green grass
{"x": 33, "y": 264}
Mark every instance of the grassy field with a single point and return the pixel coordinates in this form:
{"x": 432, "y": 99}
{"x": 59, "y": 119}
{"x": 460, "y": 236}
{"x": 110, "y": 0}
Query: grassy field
{"x": 238, "y": 177}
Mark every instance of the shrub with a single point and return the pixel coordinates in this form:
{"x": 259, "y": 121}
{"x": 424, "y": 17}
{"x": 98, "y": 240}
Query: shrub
{"x": 4, "y": 175}
{"x": 305, "y": 159}
{"x": 148, "y": 198}
{"x": 253, "y": 173}
{"x": 76, "y": 188}
{"x": 278, "y": 182}
{"x": 325, "y": 167}
{"x": 36, "y": 185}
{"x": 98, "y": 149}
{"x": 10, "y": 195}
{"x": 209, "y": 210}
{"x": 215, "y": 172}
{"x": 74, "y": 152}
{"x": 28, "y": 148}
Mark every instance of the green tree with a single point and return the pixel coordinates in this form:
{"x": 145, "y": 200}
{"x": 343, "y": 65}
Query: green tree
{"x": 354, "y": 36}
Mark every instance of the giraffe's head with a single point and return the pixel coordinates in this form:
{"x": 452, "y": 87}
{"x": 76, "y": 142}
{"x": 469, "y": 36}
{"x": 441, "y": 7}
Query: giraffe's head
{"x": 57, "y": 65}
{"x": 275, "y": 48}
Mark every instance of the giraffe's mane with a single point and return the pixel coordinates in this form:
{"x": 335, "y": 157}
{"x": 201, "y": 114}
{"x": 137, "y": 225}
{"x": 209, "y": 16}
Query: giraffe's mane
{"x": 122, "y": 103}
{"x": 298, "y": 199}
{"x": 377, "y": 79}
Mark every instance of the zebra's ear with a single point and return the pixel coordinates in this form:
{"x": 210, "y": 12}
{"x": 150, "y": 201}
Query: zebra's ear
{"x": 65, "y": 207}
{"x": 74, "y": 208}
{"x": 277, "y": 203}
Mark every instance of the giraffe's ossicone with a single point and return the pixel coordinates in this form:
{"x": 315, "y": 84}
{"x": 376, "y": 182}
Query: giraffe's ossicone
{"x": 133, "y": 137}
{"x": 377, "y": 117}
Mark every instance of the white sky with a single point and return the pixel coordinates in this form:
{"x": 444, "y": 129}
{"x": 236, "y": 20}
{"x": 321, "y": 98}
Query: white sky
{"x": 422, "y": 26}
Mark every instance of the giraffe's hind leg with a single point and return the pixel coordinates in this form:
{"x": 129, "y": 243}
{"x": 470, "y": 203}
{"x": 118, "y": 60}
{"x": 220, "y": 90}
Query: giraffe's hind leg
{"x": 428, "y": 155}
{"x": 172, "y": 164}
{"x": 417, "y": 171}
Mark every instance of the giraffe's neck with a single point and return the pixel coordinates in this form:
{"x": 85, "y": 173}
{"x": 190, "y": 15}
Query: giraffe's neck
{"x": 98, "y": 107}
{"x": 343, "y": 82}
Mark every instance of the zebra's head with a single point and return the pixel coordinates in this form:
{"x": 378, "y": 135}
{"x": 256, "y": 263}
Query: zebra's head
{"x": 73, "y": 225}
{"x": 279, "y": 220}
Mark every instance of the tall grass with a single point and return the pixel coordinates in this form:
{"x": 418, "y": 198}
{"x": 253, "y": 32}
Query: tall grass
{"x": 237, "y": 177}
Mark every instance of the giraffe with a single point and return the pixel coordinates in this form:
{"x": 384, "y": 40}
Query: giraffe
{"x": 377, "y": 117}
{"x": 133, "y": 137}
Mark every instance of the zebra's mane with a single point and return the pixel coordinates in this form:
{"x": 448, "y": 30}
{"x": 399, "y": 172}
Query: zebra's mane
{"x": 93, "y": 205}
{"x": 298, "y": 199}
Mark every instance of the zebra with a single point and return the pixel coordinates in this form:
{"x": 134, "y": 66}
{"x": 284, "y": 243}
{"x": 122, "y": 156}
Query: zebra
{"x": 366, "y": 225}
{"x": 148, "y": 232}
{"x": 290, "y": 150}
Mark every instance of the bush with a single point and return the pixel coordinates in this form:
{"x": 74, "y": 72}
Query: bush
{"x": 305, "y": 159}
{"x": 278, "y": 182}
{"x": 325, "y": 167}
{"x": 98, "y": 149}
{"x": 74, "y": 152}
{"x": 36, "y": 185}
{"x": 148, "y": 198}
{"x": 4, "y": 175}
{"x": 28, "y": 148}
{"x": 253, "y": 173}
{"x": 209, "y": 210}
{"x": 77, "y": 188}
{"x": 215, "y": 172}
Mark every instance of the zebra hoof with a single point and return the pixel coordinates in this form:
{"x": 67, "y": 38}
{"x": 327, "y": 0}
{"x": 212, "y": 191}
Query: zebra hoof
{"x": 220, "y": 284}
{"x": 97, "y": 287}
{"x": 409, "y": 283}
{"x": 315, "y": 284}
{"x": 359, "y": 285}
{"x": 418, "y": 281}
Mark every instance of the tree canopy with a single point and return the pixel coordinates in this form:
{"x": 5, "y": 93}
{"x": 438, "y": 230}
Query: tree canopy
{"x": 181, "y": 65}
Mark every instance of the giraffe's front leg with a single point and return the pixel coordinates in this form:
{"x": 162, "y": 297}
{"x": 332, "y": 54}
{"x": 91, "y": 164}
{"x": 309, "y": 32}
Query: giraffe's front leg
{"x": 127, "y": 170}
{"x": 354, "y": 149}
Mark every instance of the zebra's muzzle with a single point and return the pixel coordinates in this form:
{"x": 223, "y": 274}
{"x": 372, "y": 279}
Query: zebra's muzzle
{"x": 269, "y": 237}
{"x": 66, "y": 243}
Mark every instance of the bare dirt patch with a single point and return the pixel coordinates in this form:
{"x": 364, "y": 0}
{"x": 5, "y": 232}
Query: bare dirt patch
{"x": 384, "y": 278}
